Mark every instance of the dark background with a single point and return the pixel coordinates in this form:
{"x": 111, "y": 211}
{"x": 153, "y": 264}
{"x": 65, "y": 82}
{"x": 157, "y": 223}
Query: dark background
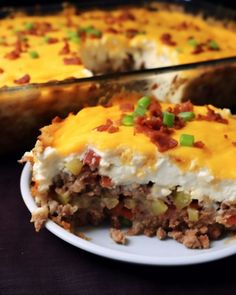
{"x": 42, "y": 264}
{"x": 229, "y": 3}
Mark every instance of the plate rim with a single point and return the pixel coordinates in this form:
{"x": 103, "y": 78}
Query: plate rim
{"x": 110, "y": 253}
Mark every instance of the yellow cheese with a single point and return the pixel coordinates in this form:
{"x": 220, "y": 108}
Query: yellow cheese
{"x": 78, "y": 132}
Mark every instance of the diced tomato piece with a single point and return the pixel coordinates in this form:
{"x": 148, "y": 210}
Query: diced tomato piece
{"x": 231, "y": 220}
{"x": 119, "y": 210}
{"x": 106, "y": 181}
{"x": 91, "y": 159}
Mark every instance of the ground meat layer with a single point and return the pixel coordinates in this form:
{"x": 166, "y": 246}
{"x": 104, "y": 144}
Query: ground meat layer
{"x": 89, "y": 198}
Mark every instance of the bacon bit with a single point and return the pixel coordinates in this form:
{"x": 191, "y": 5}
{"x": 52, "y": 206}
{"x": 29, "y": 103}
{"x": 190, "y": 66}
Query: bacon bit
{"x": 167, "y": 39}
{"x": 183, "y": 107}
{"x": 212, "y": 116}
{"x": 110, "y": 20}
{"x": 127, "y": 107}
{"x": 65, "y": 49}
{"x": 1, "y": 71}
{"x": 154, "y": 86}
{"x": 72, "y": 61}
{"x": 182, "y": 26}
{"x": 198, "y": 49}
{"x": 126, "y": 15}
{"x": 106, "y": 181}
{"x": 199, "y": 144}
{"x": 226, "y": 136}
{"x": 120, "y": 210}
{"x": 163, "y": 141}
{"x": 155, "y": 109}
{"x": 51, "y": 40}
{"x": 12, "y": 55}
{"x": 46, "y": 27}
{"x": 109, "y": 127}
{"x": 144, "y": 125}
{"x": 159, "y": 134}
{"x": 112, "y": 30}
{"x": 131, "y": 33}
{"x": 179, "y": 123}
{"x": 113, "y": 129}
{"x": 23, "y": 80}
{"x": 234, "y": 143}
{"x": 91, "y": 159}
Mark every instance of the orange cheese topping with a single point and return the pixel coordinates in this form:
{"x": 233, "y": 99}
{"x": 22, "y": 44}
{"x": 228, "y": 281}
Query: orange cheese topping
{"x": 78, "y": 132}
{"x": 170, "y": 30}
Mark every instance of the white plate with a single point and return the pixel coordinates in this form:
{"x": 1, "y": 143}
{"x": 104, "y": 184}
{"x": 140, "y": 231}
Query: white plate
{"x": 140, "y": 249}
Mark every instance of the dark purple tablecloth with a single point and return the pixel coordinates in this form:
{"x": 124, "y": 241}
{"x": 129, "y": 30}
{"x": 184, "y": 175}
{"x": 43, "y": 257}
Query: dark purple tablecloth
{"x": 40, "y": 263}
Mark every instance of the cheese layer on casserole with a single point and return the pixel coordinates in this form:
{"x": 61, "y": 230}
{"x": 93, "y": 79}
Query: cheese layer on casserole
{"x": 37, "y": 49}
{"x": 203, "y": 169}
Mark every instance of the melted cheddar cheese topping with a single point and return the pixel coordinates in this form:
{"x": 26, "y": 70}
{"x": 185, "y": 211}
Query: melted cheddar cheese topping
{"x": 33, "y": 45}
{"x": 79, "y": 132}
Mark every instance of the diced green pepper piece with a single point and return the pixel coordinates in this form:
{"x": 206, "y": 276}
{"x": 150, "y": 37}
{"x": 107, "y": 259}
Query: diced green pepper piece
{"x": 64, "y": 198}
{"x": 187, "y": 116}
{"x": 110, "y": 202}
{"x": 181, "y": 200}
{"x": 186, "y": 140}
{"x": 74, "y": 166}
{"x": 193, "y": 214}
{"x": 158, "y": 207}
{"x": 168, "y": 119}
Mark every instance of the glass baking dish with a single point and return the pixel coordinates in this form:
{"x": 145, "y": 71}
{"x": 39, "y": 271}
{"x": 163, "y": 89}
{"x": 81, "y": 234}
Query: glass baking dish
{"x": 26, "y": 108}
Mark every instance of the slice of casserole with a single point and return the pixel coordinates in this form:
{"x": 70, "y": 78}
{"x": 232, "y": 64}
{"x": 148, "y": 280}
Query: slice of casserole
{"x": 159, "y": 169}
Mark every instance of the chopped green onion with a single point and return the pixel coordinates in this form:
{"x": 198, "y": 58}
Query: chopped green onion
{"x": 34, "y": 54}
{"x": 124, "y": 222}
{"x": 128, "y": 120}
{"x": 75, "y": 39}
{"x": 192, "y": 42}
{"x": 139, "y": 111}
{"x": 144, "y": 102}
{"x": 213, "y": 45}
{"x": 46, "y": 39}
{"x": 94, "y": 32}
{"x": 29, "y": 26}
{"x": 186, "y": 140}
{"x": 168, "y": 119}
{"x": 90, "y": 30}
{"x": 187, "y": 116}
{"x": 73, "y": 36}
